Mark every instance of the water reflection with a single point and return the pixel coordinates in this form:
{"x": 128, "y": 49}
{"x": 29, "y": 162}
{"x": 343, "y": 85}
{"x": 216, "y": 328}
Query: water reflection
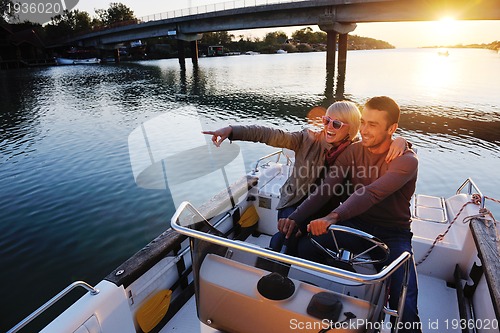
{"x": 428, "y": 121}
{"x": 19, "y": 126}
{"x": 196, "y": 85}
{"x": 435, "y": 72}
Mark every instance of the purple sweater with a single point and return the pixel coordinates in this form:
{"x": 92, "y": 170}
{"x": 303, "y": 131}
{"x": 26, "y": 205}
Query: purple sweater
{"x": 379, "y": 193}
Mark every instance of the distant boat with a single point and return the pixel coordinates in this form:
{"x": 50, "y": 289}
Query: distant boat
{"x": 215, "y": 50}
{"x": 64, "y": 61}
{"x": 69, "y": 61}
{"x": 444, "y": 53}
{"x": 281, "y": 51}
{"x": 251, "y": 53}
{"x": 87, "y": 61}
{"x": 108, "y": 60}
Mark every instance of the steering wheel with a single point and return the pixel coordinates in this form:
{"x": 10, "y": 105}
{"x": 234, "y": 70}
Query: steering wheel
{"x": 351, "y": 258}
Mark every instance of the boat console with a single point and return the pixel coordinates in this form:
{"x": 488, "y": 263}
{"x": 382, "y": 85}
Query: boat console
{"x": 229, "y": 288}
{"x": 276, "y": 291}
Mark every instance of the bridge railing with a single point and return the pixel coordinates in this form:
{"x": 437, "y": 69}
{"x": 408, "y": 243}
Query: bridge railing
{"x": 211, "y": 8}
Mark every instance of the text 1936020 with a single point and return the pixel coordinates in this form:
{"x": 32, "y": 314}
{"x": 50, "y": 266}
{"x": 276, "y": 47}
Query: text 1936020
{"x": 34, "y": 8}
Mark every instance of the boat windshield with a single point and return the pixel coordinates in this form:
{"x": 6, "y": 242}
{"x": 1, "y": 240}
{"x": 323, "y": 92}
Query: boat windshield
{"x": 169, "y": 153}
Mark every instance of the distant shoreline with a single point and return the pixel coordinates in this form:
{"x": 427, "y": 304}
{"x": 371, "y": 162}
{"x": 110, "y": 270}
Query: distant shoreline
{"x": 495, "y": 46}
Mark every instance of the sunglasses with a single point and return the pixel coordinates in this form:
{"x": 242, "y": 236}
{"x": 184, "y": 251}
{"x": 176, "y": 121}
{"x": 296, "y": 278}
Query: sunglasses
{"x": 337, "y": 124}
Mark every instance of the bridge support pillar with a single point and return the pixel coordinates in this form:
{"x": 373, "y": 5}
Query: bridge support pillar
{"x": 193, "y": 41}
{"x": 342, "y": 64}
{"x": 194, "y": 52}
{"x": 180, "y": 52}
{"x": 334, "y": 29}
{"x": 331, "y": 41}
{"x": 117, "y": 55}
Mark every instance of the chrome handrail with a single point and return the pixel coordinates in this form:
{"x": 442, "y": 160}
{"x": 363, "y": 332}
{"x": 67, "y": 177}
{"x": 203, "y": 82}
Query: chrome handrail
{"x": 402, "y": 298}
{"x": 279, "y": 152}
{"x": 472, "y": 186}
{"x": 253, "y": 249}
{"x": 37, "y": 312}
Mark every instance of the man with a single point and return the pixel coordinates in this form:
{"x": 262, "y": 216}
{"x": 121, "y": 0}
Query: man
{"x": 380, "y": 202}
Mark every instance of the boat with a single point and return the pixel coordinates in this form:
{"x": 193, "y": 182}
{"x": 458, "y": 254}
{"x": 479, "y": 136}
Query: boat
{"x": 215, "y": 50}
{"x": 443, "y": 52}
{"x": 88, "y": 61}
{"x": 69, "y": 61}
{"x": 211, "y": 270}
{"x": 251, "y": 53}
{"x": 64, "y": 61}
{"x": 281, "y": 51}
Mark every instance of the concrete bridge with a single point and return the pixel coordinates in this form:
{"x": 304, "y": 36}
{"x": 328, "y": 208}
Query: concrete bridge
{"x": 324, "y": 13}
{"x": 335, "y": 17}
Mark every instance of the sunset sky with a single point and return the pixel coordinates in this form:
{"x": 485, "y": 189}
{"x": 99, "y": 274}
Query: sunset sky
{"x": 405, "y": 34}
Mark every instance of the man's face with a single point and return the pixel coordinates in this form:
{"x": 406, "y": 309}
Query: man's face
{"x": 374, "y": 128}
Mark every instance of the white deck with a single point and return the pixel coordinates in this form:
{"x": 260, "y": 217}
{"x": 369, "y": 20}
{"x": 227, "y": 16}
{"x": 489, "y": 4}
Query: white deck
{"x": 438, "y": 306}
{"x": 185, "y": 320}
{"x": 437, "y": 303}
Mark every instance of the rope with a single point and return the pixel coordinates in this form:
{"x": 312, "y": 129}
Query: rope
{"x": 476, "y": 200}
{"x": 492, "y": 199}
{"x": 483, "y": 212}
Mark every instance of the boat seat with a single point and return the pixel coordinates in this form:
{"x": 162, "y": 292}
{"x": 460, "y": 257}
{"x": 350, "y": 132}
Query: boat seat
{"x": 269, "y": 195}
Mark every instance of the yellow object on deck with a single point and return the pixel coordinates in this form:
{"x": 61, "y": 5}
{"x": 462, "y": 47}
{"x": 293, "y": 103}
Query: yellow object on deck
{"x": 152, "y": 311}
{"x": 249, "y": 217}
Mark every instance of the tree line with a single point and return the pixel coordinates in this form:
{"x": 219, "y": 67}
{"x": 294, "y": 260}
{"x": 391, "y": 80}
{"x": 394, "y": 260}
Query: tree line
{"x": 302, "y": 40}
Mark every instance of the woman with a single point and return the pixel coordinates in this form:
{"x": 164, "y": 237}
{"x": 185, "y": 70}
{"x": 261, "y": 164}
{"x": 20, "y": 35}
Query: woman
{"x": 314, "y": 153}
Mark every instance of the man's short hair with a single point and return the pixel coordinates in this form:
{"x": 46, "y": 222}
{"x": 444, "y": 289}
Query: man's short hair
{"x": 384, "y": 103}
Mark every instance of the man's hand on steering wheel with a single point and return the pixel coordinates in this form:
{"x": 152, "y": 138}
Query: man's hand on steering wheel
{"x": 287, "y": 226}
{"x": 320, "y": 226}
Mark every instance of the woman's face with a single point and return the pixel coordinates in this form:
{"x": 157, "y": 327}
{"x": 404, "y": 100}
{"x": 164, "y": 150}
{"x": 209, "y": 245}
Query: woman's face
{"x": 335, "y": 129}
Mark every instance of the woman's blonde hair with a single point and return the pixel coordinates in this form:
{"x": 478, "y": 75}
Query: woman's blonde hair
{"x": 348, "y": 113}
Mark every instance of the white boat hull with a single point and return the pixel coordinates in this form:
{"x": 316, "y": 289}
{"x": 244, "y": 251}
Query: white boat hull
{"x": 68, "y": 61}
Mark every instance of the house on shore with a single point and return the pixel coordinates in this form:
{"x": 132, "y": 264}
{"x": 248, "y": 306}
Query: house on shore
{"x": 21, "y": 47}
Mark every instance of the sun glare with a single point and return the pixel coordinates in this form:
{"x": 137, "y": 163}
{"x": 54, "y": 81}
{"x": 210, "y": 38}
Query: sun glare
{"x": 445, "y": 30}
{"x": 447, "y": 19}
{"x": 447, "y": 26}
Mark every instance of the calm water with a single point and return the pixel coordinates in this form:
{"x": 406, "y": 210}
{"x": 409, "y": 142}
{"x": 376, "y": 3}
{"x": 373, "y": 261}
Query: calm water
{"x": 70, "y": 209}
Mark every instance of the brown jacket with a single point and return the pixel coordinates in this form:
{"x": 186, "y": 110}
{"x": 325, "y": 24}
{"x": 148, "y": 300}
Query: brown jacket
{"x": 309, "y": 147}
